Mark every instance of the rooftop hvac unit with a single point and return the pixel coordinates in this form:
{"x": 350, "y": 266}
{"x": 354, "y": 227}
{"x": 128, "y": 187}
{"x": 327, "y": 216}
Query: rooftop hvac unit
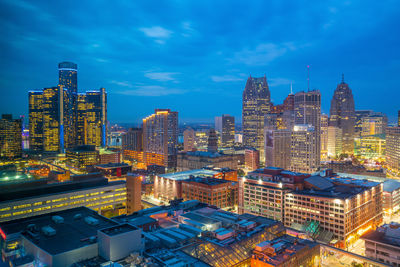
{"x": 57, "y": 219}
{"x": 48, "y": 231}
{"x": 91, "y": 221}
{"x": 31, "y": 227}
{"x": 77, "y": 216}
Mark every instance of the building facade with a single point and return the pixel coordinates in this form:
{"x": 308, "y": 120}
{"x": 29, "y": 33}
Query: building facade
{"x": 160, "y": 136}
{"x": 278, "y": 148}
{"x": 256, "y": 104}
{"x": 393, "y": 150}
{"x": 10, "y": 137}
{"x": 225, "y": 125}
{"x": 252, "y": 159}
{"x": 342, "y": 115}
{"x": 304, "y": 150}
{"x": 200, "y": 159}
{"x": 133, "y": 139}
{"x": 189, "y": 140}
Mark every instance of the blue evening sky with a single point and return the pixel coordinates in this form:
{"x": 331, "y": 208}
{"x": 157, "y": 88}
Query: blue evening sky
{"x": 195, "y": 56}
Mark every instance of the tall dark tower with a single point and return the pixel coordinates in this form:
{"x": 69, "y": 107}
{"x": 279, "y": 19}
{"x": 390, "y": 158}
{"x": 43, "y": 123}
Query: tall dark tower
{"x": 212, "y": 141}
{"x": 256, "y": 104}
{"x": 68, "y": 79}
{"x": 342, "y": 115}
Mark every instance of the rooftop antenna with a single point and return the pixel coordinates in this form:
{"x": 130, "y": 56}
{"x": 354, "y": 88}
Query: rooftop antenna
{"x": 291, "y": 89}
{"x": 308, "y": 77}
{"x": 342, "y": 77}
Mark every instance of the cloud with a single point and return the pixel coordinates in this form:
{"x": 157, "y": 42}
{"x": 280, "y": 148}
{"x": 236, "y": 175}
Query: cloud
{"x": 226, "y": 78}
{"x": 263, "y": 54}
{"x": 158, "y": 33}
{"x": 279, "y": 81}
{"x": 152, "y": 90}
{"x": 122, "y": 83}
{"x": 161, "y": 76}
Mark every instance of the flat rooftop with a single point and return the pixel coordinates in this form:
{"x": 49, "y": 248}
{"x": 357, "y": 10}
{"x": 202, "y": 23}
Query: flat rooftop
{"x": 391, "y": 185}
{"x": 179, "y": 176}
{"x": 386, "y": 234}
{"x": 112, "y": 165}
{"x": 119, "y": 229}
{"x": 208, "y": 181}
{"x": 56, "y": 188}
{"x": 77, "y": 227}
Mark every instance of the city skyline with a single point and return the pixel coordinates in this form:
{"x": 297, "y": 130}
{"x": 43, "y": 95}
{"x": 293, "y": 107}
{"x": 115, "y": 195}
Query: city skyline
{"x": 158, "y": 59}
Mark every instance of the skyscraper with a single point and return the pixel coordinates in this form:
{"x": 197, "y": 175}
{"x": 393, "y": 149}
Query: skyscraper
{"x": 189, "y": 140}
{"x": 212, "y": 141}
{"x": 335, "y": 141}
{"x": 398, "y": 118}
{"x": 36, "y": 120}
{"x": 225, "y": 125}
{"x": 324, "y": 136}
{"x": 52, "y": 112}
{"x": 68, "y": 79}
{"x": 393, "y": 150}
{"x": 342, "y": 115}
{"x": 307, "y": 108}
{"x": 303, "y": 156}
{"x": 133, "y": 139}
{"x": 10, "y": 137}
{"x": 256, "y": 104}
{"x": 160, "y": 137}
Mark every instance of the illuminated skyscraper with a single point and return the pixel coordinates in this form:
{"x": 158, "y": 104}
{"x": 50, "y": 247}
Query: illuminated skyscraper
{"x": 343, "y": 115}
{"x": 393, "y": 150}
{"x": 335, "y": 141}
{"x": 303, "y": 156}
{"x": 36, "y": 120}
{"x": 256, "y": 104}
{"x": 160, "y": 137}
{"x": 307, "y": 108}
{"x": 68, "y": 79}
{"x": 225, "y": 125}
{"x": 53, "y": 137}
{"x": 96, "y": 117}
{"x": 10, "y": 137}
{"x": 133, "y": 139}
{"x": 373, "y": 124}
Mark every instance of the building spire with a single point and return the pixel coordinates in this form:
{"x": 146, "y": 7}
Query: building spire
{"x": 291, "y": 89}
{"x": 308, "y": 77}
{"x": 342, "y": 77}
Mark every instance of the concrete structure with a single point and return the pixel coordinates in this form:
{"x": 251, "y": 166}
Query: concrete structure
{"x": 278, "y": 148}
{"x": 212, "y": 143}
{"x": 133, "y": 193}
{"x": 160, "y": 137}
{"x": 256, "y": 104}
{"x": 109, "y": 156}
{"x": 66, "y": 237}
{"x": 87, "y": 190}
{"x": 370, "y": 146}
{"x": 81, "y": 157}
{"x": 286, "y": 251}
{"x": 200, "y": 159}
{"x": 393, "y": 150}
{"x": 383, "y": 244}
{"x": 304, "y": 156}
{"x": 324, "y": 136}
{"x": 113, "y": 170}
{"x": 133, "y": 139}
{"x": 342, "y": 115}
{"x": 373, "y": 124}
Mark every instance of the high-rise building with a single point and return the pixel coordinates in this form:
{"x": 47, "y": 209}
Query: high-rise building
{"x": 189, "y": 140}
{"x": 160, "y": 136}
{"x": 251, "y": 159}
{"x": 398, "y": 118}
{"x": 10, "y": 137}
{"x": 225, "y": 126}
{"x": 342, "y": 115}
{"x": 307, "y": 108}
{"x": 212, "y": 141}
{"x": 133, "y": 139}
{"x": 277, "y": 148}
{"x": 133, "y": 193}
{"x": 334, "y": 141}
{"x": 373, "y": 124}
{"x": 60, "y": 118}
{"x": 393, "y": 150}
{"x": 304, "y": 152}
{"x": 324, "y": 136}
{"x": 256, "y": 104}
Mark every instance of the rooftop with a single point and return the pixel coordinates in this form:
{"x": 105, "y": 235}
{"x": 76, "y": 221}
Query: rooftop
{"x": 60, "y": 231}
{"x": 111, "y": 165}
{"x": 387, "y": 234}
{"x": 204, "y": 154}
{"x": 119, "y": 229}
{"x": 391, "y": 185}
{"x": 188, "y": 174}
{"x": 208, "y": 181}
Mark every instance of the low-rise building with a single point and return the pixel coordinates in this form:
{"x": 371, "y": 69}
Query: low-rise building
{"x": 113, "y": 170}
{"x": 201, "y": 159}
{"x": 383, "y": 244}
{"x": 286, "y": 251}
{"x": 66, "y": 237}
{"x": 213, "y": 191}
{"x": 391, "y": 197}
{"x": 81, "y": 157}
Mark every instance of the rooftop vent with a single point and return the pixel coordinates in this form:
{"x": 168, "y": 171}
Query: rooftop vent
{"x": 48, "y": 231}
{"x": 57, "y": 219}
{"x": 77, "y": 216}
{"x": 91, "y": 221}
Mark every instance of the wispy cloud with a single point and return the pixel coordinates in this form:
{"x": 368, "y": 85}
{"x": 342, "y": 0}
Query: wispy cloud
{"x": 279, "y": 81}
{"x": 159, "y": 34}
{"x": 262, "y": 54}
{"x": 161, "y": 76}
{"x": 151, "y": 90}
{"x": 226, "y": 78}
